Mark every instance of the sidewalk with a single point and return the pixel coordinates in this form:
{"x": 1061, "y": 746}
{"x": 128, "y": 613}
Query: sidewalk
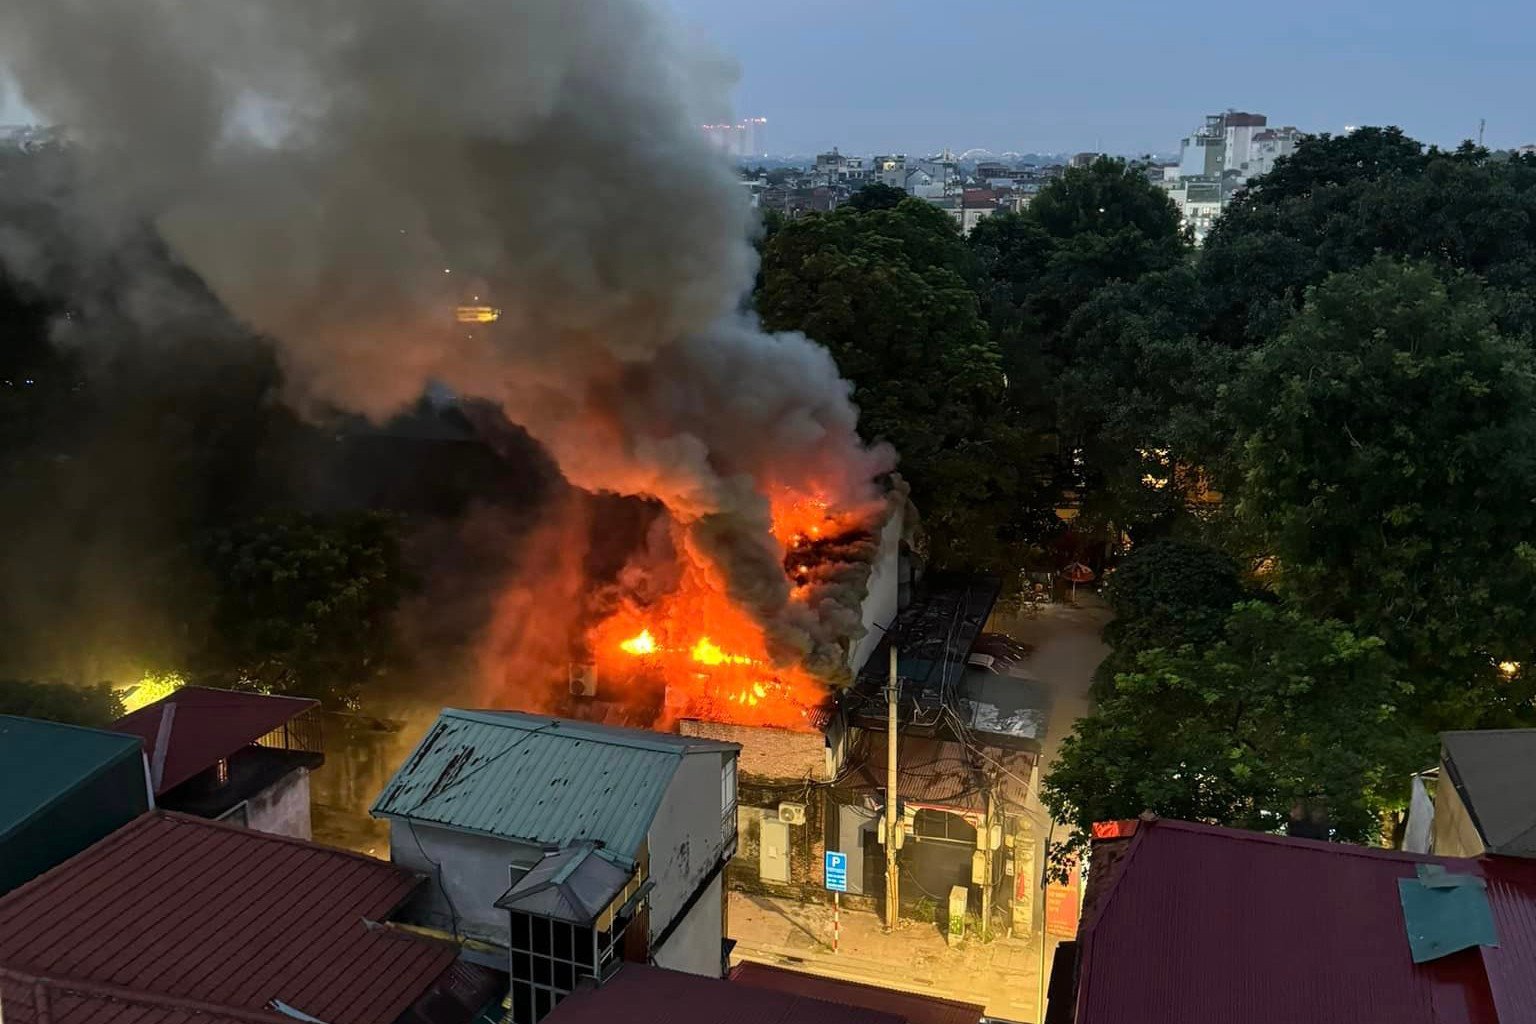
{"x": 1002, "y": 974}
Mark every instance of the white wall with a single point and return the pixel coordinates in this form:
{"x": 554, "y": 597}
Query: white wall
{"x": 685, "y": 843}
{"x": 884, "y": 588}
{"x": 475, "y": 871}
{"x": 283, "y": 807}
{"x": 852, "y": 821}
{"x": 695, "y": 947}
{"x": 1240, "y": 146}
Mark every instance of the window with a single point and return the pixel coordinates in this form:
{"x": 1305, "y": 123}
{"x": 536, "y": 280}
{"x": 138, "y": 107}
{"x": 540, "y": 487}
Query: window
{"x": 728, "y": 803}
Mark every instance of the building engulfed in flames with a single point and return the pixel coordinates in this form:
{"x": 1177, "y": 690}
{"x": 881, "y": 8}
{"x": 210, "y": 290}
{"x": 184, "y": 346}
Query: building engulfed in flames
{"x": 701, "y": 655}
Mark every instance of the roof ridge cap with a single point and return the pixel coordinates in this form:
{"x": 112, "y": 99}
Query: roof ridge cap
{"x": 144, "y": 996}
{"x": 593, "y": 732}
{"x": 273, "y": 837}
{"x": 1300, "y": 843}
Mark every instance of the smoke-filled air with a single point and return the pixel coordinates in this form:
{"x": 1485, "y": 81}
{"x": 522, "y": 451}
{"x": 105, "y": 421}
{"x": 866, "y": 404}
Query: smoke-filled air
{"x": 510, "y": 200}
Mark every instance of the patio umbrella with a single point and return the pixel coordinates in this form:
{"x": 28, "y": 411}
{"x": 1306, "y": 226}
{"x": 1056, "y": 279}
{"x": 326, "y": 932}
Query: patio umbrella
{"x": 1077, "y": 573}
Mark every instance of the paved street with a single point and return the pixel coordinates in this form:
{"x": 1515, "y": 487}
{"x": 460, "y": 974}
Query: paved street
{"x": 1002, "y": 974}
{"x": 1067, "y": 651}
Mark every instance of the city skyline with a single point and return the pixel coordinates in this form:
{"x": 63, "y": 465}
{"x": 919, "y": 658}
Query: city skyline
{"x": 1009, "y": 76}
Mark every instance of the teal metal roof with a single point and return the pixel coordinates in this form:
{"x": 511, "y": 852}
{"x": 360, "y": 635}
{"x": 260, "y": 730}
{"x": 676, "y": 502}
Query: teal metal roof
{"x": 53, "y": 759}
{"x": 537, "y": 779}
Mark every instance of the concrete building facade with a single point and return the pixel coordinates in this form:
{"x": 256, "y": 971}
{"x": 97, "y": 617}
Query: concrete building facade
{"x": 545, "y": 838}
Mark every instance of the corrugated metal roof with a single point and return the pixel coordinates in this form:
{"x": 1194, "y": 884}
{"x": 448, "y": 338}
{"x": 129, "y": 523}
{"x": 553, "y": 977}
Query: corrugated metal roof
{"x": 53, "y": 759}
{"x": 1205, "y": 925}
{"x": 31, "y": 999}
{"x": 650, "y": 995}
{"x": 912, "y": 1008}
{"x": 538, "y": 779}
{"x": 208, "y": 725}
{"x": 182, "y": 907}
{"x": 1495, "y": 772}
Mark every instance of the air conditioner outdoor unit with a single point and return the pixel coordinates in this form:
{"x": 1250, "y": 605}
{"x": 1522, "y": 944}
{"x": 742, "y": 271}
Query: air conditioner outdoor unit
{"x": 583, "y": 681}
{"x": 792, "y": 814}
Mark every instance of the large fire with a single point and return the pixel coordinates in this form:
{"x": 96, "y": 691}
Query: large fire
{"x": 712, "y": 658}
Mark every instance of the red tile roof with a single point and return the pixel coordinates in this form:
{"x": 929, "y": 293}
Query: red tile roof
{"x": 208, "y": 725}
{"x": 1205, "y": 925}
{"x": 914, "y": 1009}
{"x": 31, "y": 999}
{"x": 170, "y": 905}
{"x": 650, "y": 995}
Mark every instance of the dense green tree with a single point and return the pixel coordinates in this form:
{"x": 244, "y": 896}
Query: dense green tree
{"x": 1387, "y": 466}
{"x": 877, "y": 196}
{"x": 94, "y": 706}
{"x": 1167, "y": 594}
{"x": 1170, "y": 593}
{"x": 1338, "y": 202}
{"x": 1282, "y": 716}
{"x": 1096, "y": 229}
{"x": 304, "y": 604}
{"x": 888, "y": 292}
{"x": 1137, "y": 401}
{"x": 1092, "y": 226}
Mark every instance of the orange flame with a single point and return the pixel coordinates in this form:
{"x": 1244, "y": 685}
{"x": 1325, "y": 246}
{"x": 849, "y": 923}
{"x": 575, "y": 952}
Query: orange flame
{"x": 642, "y": 643}
{"x": 707, "y": 652}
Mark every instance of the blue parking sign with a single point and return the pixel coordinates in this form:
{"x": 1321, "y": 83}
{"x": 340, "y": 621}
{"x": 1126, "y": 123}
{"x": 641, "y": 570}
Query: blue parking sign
{"x": 836, "y": 871}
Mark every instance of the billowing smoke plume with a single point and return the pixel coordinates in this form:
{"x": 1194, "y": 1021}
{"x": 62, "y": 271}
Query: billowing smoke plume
{"x": 343, "y": 173}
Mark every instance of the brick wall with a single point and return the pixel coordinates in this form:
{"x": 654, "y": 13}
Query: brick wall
{"x": 779, "y": 755}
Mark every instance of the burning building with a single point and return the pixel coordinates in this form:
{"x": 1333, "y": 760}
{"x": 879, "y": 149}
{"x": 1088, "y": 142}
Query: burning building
{"x": 398, "y": 224}
{"x": 672, "y": 643}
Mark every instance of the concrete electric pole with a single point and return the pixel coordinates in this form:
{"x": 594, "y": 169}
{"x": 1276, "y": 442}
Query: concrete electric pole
{"x": 986, "y": 860}
{"x": 892, "y": 814}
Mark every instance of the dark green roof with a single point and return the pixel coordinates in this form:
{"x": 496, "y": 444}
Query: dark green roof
{"x": 539, "y": 780}
{"x": 45, "y": 761}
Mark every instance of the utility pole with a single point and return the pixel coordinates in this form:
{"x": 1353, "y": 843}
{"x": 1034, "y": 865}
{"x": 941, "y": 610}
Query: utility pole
{"x": 892, "y": 816}
{"x": 986, "y": 859}
{"x": 1482, "y": 123}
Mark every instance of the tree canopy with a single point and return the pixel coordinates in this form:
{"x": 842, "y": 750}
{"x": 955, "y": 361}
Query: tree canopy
{"x": 303, "y": 604}
{"x": 96, "y": 706}
{"x": 1387, "y": 466}
{"x": 1282, "y": 717}
{"x": 888, "y": 291}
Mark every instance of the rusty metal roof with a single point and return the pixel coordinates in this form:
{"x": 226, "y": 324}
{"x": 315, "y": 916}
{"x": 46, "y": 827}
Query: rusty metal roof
{"x": 184, "y": 908}
{"x": 1204, "y": 924}
{"x": 639, "y": 994}
{"x": 203, "y": 726}
{"x": 539, "y": 780}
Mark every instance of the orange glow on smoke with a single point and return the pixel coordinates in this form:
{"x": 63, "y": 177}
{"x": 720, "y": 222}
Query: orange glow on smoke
{"x": 800, "y": 519}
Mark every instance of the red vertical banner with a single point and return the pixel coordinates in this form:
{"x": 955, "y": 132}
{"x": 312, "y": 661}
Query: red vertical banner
{"x": 1062, "y": 903}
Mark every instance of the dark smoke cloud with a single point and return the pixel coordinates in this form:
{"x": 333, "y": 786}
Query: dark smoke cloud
{"x": 342, "y": 173}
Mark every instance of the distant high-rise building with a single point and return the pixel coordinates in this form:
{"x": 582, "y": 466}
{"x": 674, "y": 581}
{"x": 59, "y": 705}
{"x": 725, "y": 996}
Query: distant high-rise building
{"x": 743, "y": 140}
{"x": 1219, "y": 157}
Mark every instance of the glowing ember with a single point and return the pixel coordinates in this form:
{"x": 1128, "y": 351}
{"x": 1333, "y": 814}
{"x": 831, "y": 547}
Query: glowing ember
{"x": 797, "y": 520}
{"x": 707, "y": 652}
{"x": 643, "y": 643}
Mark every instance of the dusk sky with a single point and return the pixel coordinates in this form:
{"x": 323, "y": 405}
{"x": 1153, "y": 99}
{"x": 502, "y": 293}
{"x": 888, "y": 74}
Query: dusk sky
{"x": 1133, "y": 76}
{"x": 1120, "y": 75}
